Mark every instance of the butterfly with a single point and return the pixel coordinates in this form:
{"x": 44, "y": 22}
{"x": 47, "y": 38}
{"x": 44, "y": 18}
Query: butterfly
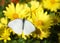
{"x": 21, "y": 25}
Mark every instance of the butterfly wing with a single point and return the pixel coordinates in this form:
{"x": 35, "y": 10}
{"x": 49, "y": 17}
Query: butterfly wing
{"x": 28, "y": 27}
{"x": 16, "y": 26}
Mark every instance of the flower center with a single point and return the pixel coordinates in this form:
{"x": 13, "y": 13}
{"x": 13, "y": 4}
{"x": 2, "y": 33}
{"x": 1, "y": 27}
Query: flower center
{"x": 39, "y": 22}
{"x": 5, "y": 37}
{"x": 38, "y": 31}
{"x": 52, "y": 1}
{"x": 55, "y": 20}
{"x": 15, "y": 16}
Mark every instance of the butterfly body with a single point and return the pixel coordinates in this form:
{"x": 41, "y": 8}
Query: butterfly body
{"x": 21, "y": 25}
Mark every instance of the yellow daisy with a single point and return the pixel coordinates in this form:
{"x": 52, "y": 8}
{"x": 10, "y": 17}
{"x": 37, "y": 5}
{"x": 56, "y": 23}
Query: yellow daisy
{"x": 52, "y": 5}
{"x": 3, "y": 24}
{"x": 42, "y": 20}
{"x": 5, "y": 35}
{"x": 41, "y": 34}
{"x": 18, "y": 11}
{"x": 35, "y": 8}
{"x": 34, "y": 5}
{"x": 4, "y": 20}
{"x": 1, "y": 29}
{"x": 55, "y": 18}
{"x": 4, "y": 31}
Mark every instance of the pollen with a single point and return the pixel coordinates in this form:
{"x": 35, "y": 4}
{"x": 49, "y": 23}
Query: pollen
{"x": 15, "y": 16}
{"x": 39, "y": 22}
{"x": 52, "y": 1}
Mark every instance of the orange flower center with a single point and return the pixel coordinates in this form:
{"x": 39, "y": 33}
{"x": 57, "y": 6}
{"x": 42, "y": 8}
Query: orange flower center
{"x": 52, "y": 1}
{"x": 39, "y": 22}
{"x": 15, "y": 16}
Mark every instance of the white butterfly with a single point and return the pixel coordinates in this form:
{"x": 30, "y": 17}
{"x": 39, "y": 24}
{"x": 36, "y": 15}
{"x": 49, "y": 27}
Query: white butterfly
{"x": 18, "y": 26}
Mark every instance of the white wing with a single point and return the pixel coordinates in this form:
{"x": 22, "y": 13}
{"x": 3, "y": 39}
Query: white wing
{"x": 28, "y": 27}
{"x": 16, "y": 26}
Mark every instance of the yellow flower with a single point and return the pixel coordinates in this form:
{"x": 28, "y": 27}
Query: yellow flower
{"x": 4, "y": 21}
{"x": 44, "y": 34}
{"x": 1, "y": 29}
{"x": 34, "y": 5}
{"x": 41, "y": 34}
{"x": 52, "y": 5}
{"x": 23, "y": 36}
{"x": 3, "y": 24}
{"x": 36, "y": 8}
{"x": 4, "y": 31}
{"x": 18, "y": 11}
{"x": 5, "y": 35}
{"x": 55, "y": 18}
{"x": 42, "y": 20}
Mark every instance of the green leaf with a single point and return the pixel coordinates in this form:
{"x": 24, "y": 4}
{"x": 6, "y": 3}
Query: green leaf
{"x": 1, "y": 42}
{"x": 21, "y": 40}
{"x": 9, "y": 41}
{"x": 14, "y": 41}
{"x": 29, "y": 5}
{"x": 37, "y": 41}
{"x": 1, "y": 11}
{"x": 1, "y": 8}
{"x": 7, "y": 1}
{"x": 21, "y": 1}
{"x": 45, "y": 41}
{"x": 1, "y": 14}
{"x": 28, "y": 41}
